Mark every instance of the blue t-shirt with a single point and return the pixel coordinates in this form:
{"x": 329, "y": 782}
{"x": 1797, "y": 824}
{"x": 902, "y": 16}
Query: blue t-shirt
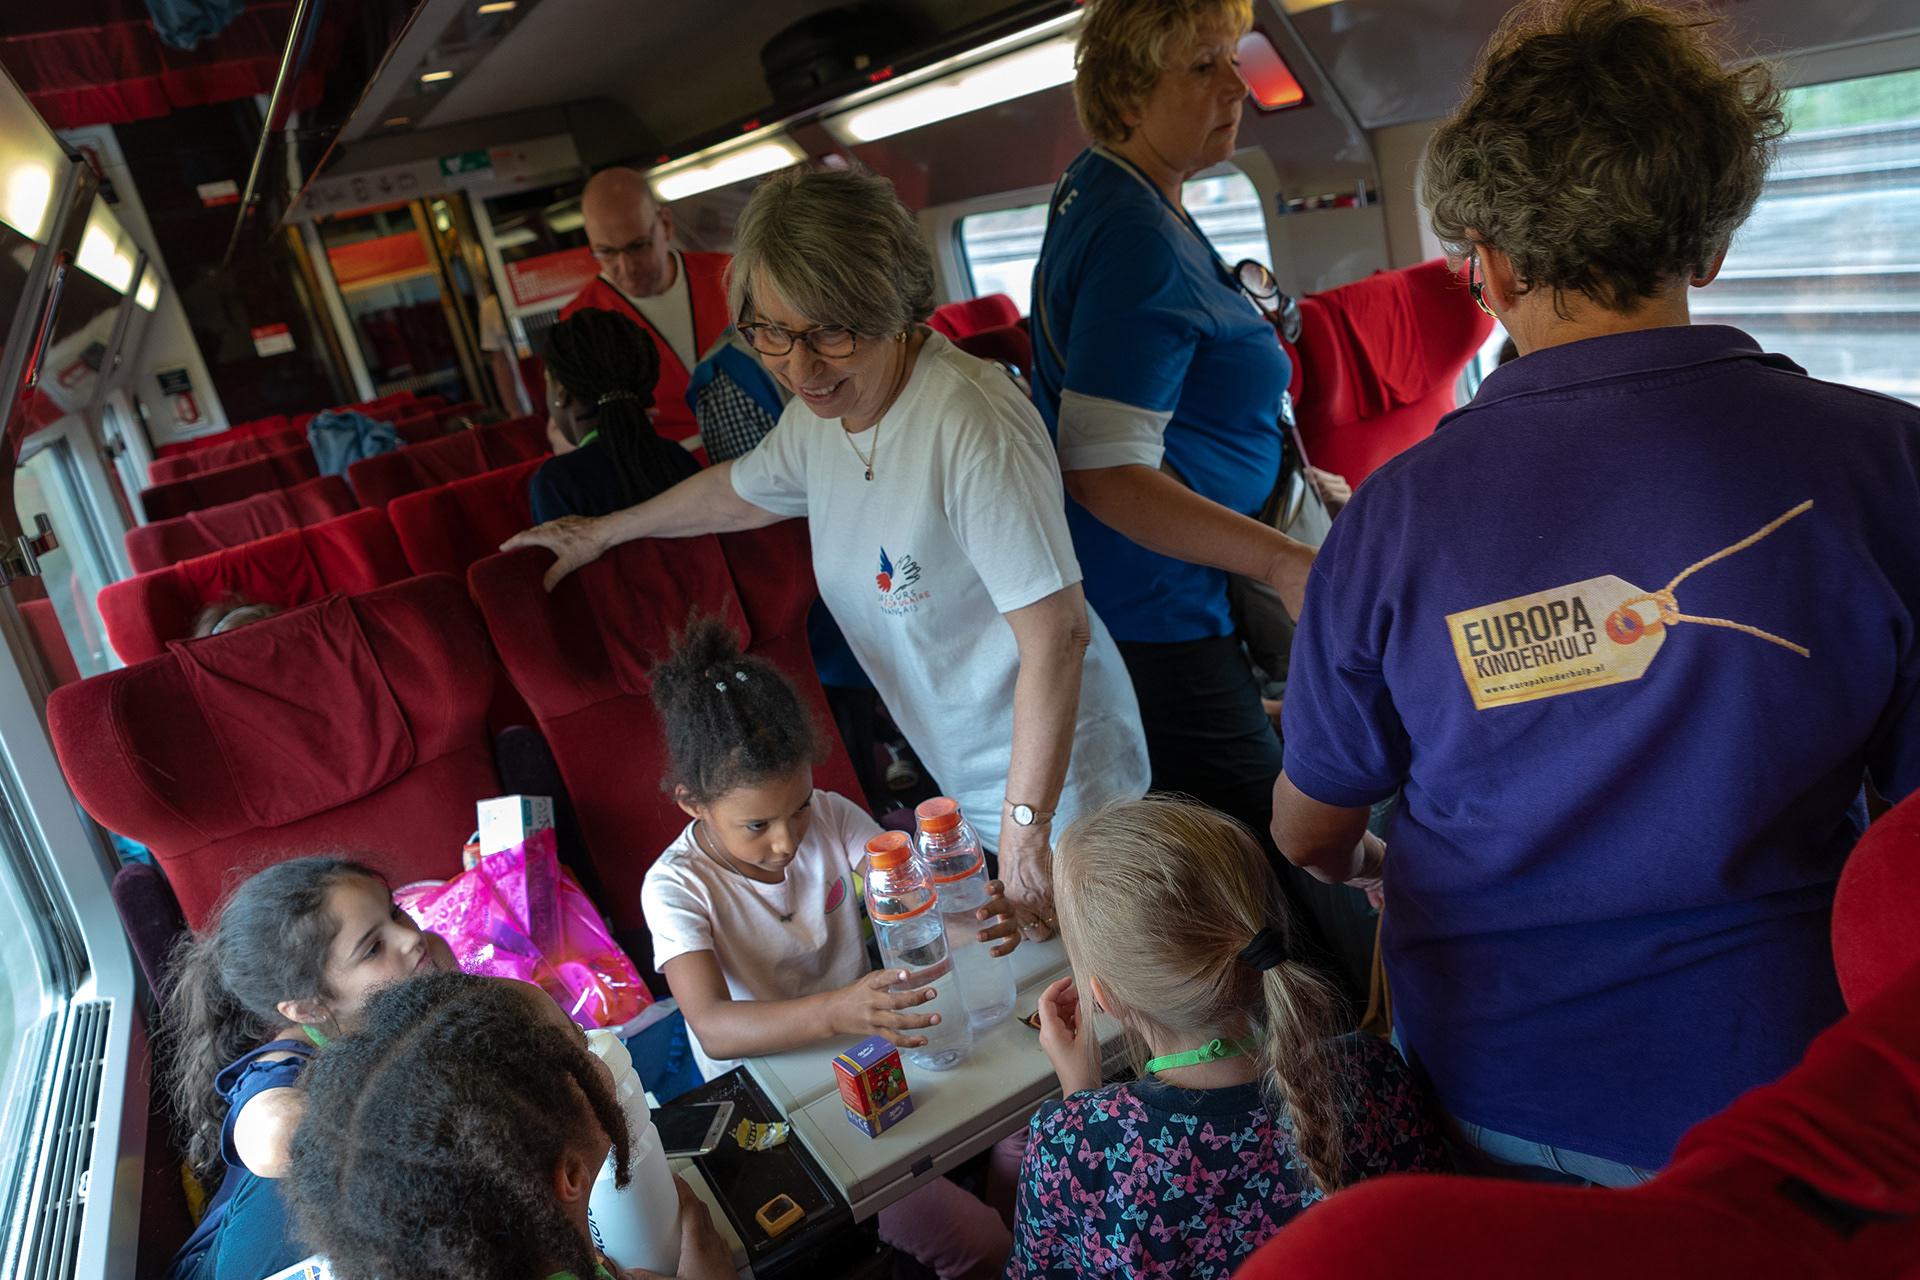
{"x": 1609, "y": 884}
{"x": 1162, "y": 352}
{"x": 267, "y": 1226}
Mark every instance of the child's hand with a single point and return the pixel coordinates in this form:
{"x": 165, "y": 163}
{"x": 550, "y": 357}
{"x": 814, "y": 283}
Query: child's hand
{"x": 1067, "y": 1038}
{"x": 1005, "y": 933}
{"x": 870, "y": 1008}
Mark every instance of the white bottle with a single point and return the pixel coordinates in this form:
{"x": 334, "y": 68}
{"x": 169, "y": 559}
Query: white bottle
{"x": 906, "y": 920}
{"x": 959, "y": 870}
{"x": 637, "y": 1225}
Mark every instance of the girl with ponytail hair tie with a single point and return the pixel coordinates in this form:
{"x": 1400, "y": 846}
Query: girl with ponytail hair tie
{"x": 1251, "y": 1105}
{"x": 601, "y": 371}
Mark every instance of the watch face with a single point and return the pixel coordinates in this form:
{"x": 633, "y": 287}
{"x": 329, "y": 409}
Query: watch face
{"x": 1023, "y": 814}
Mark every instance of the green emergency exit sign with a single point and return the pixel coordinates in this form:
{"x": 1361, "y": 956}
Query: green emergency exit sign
{"x": 465, "y": 162}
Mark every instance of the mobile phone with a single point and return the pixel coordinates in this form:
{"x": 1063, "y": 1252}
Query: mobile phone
{"x": 694, "y": 1129}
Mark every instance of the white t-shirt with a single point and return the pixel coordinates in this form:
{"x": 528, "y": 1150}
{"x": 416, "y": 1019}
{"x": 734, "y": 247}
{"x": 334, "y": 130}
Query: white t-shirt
{"x": 963, "y": 521}
{"x": 773, "y": 941}
{"x": 670, "y": 314}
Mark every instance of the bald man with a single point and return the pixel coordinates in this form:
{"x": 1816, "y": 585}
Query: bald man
{"x": 680, "y": 299}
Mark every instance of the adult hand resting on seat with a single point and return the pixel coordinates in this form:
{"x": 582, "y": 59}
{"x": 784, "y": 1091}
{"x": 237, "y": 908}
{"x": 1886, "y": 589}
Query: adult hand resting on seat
{"x": 703, "y": 1250}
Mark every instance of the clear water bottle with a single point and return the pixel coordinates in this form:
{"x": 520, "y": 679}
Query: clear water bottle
{"x": 905, "y": 912}
{"x": 959, "y": 869}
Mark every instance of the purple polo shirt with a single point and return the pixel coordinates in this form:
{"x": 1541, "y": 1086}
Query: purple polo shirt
{"x": 1631, "y": 753}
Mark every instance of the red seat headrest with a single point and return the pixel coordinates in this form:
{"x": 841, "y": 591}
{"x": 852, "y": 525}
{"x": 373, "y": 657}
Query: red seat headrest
{"x": 349, "y": 725}
{"x": 971, "y": 315}
{"x": 1876, "y": 911}
{"x": 446, "y": 528}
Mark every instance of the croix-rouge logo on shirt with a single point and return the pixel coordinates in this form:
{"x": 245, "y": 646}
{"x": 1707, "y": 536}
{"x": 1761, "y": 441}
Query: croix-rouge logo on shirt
{"x": 897, "y": 583}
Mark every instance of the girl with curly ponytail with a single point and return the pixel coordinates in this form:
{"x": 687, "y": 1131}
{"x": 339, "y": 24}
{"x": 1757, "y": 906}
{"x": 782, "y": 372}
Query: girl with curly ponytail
{"x": 1251, "y": 1104}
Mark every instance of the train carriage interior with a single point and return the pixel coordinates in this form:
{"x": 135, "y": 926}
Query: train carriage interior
{"x": 280, "y": 279}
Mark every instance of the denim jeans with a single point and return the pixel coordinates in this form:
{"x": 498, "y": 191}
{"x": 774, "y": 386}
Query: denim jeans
{"x": 1488, "y": 1153}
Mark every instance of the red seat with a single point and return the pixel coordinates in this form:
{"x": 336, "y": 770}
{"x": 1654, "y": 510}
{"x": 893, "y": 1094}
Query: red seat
{"x": 348, "y": 554}
{"x": 223, "y": 454}
{"x": 581, "y": 657}
{"x": 269, "y": 425}
{"x": 989, "y": 311}
{"x": 380, "y": 479}
{"x": 229, "y": 484}
{"x": 1010, "y": 344}
{"x": 199, "y": 533}
{"x": 418, "y": 429}
{"x": 446, "y": 528}
{"x": 465, "y": 409}
{"x": 1375, "y": 368}
{"x": 350, "y": 726}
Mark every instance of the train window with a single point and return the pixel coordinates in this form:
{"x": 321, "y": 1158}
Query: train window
{"x": 999, "y": 248}
{"x": 1827, "y": 271}
{"x": 73, "y": 573}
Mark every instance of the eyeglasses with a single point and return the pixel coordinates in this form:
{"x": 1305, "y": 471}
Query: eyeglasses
{"x": 636, "y": 248}
{"x": 1254, "y": 279}
{"x": 830, "y": 340}
{"x": 1477, "y": 286}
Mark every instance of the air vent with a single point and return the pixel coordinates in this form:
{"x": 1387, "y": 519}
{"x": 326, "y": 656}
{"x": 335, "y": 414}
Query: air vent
{"x": 62, "y": 1157}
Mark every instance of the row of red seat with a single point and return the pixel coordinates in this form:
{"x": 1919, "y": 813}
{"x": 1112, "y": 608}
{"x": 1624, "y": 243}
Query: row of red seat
{"x": 272, "y": 453}
{"x": 442, "y": 529}
{"x": 377, "y": 481}
{"x": 357, "y": 723}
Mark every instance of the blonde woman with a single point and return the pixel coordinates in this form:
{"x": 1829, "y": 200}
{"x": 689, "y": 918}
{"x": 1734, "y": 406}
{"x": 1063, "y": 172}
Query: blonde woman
{"x": 1163, "y": 384}
{"x": 934, "y": 505}
{"x": 1251, "y": 1106}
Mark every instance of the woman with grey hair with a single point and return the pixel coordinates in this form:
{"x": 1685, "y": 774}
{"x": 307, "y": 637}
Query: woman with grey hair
{"x": 936, "y": 514}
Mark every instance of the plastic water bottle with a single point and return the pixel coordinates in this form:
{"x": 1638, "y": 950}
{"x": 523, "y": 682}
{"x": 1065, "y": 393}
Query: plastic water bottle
{"x": 906, "y": 917}
{"x": 637, "y": 1225}
{"x": 959, "y": 870}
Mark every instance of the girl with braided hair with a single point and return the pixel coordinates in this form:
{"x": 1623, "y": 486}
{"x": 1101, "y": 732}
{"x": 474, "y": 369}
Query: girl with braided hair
{"x": 601, "y": 371}
{"x": 457, "y": 1136}
{"x": 755, "y": 917}
{"x": 1251, "y": 1106}
{"x": 291, "y": 959}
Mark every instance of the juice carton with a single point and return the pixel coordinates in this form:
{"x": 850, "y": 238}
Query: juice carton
{"x": 506, "y": 821}
{"x": 873, "y": 1086}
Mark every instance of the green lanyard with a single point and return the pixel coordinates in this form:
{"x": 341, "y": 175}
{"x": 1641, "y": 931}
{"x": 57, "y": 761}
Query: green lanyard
{"x": 1211, "y": 1051}
{"x": 316, "y": 1035}
{"x": 599, "y": 1270}
{"x": 588, "y": 438}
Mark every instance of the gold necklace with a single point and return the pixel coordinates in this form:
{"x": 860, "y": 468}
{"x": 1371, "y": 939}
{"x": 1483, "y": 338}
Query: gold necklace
{"x": 866, "y": 460}
{"x": 703, "y": 841}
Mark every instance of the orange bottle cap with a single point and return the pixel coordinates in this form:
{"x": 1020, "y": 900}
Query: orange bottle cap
{"x": 942, "y": 813}
{"x": 889, "y": 849}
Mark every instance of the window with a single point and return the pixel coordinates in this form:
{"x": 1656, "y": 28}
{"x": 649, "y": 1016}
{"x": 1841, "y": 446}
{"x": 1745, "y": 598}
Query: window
{"x": 1827, "y": 271}
{"x": 1000, "y": 248}
{"x": 73, "y": 573}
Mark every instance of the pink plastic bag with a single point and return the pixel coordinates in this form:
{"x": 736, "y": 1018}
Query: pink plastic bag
{"x": 520, "y": 914}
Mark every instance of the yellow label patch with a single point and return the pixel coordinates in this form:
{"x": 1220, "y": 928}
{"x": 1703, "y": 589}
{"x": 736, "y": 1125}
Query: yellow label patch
{"x": 1561, "y": 640}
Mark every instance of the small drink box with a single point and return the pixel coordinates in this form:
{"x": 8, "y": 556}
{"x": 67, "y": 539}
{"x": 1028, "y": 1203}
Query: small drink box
{"x": 873, "y": 1085}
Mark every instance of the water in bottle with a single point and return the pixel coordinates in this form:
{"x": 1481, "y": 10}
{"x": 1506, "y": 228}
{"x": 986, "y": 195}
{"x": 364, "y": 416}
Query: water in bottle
{"x": 906, "y": 917}
{"x": 959, "y": 870}
{"x": 637, "y": 1225}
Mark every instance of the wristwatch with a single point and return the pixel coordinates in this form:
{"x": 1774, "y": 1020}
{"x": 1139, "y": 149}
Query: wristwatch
{"x": 1026, "y": 816}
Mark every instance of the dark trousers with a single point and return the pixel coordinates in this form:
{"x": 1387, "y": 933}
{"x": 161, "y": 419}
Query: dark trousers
{"x": 1208, "y": 737}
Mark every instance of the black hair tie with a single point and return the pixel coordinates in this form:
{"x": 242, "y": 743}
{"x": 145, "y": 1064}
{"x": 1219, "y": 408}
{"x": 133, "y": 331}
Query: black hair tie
{"x": 1266, "y": 950}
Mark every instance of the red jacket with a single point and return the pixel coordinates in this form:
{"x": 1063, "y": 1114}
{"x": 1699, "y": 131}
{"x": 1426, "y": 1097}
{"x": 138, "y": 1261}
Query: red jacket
{"x": 707, "y": 291}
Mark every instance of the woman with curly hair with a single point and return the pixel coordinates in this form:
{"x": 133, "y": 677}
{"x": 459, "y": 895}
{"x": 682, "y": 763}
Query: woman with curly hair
{"x": 1629, "y": 629}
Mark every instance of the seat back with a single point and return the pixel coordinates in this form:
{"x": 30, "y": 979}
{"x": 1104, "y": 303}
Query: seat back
{"x": 350, "y": 726}
{"x": 446, "y": 528}
{"x": 199, "y": 533}
{"x": 229, "y": 484}
{"x": 1377, "y": 361}
{"x": 272, "y": 424}
{"x": 1009, "y": 344}
{"x": 348, "y": 554}
{"x": 971, "y": 315}
{"x": 223, "y": 454}
{"x": 380, "y": 479}
{"x": 581, "y": 655}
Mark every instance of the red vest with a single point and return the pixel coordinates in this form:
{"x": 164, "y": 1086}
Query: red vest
{"x": 707, "y": 293}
